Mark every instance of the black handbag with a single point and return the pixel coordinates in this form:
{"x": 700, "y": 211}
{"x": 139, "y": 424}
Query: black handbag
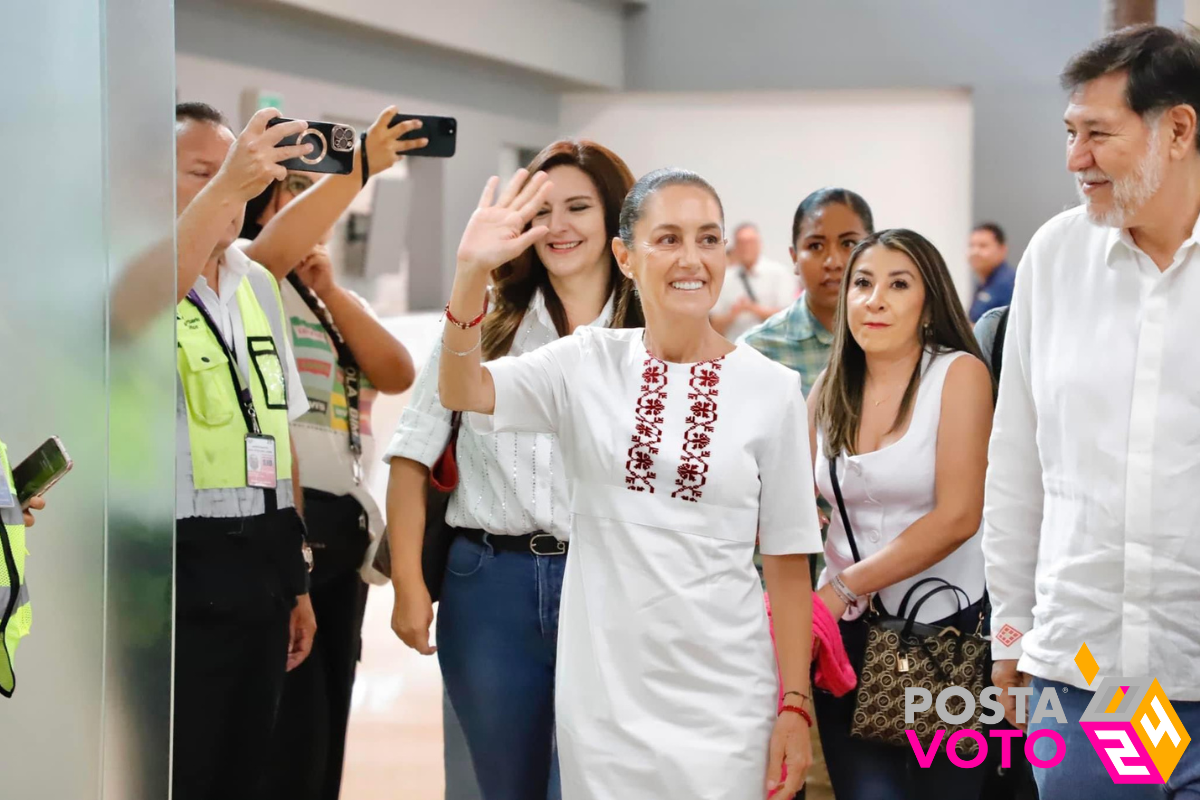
{"x": 435, "y": 551}
{"x": 902, "y": 653}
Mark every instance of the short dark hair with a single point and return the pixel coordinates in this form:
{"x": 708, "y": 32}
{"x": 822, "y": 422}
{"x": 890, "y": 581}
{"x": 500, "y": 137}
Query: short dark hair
{"x": 1163, "y": 67}
{"x": 827, "y": 197}
{"x": 199, "y": 112}
{"x": 648, "y": 186}
{"x": 992, "y": 228}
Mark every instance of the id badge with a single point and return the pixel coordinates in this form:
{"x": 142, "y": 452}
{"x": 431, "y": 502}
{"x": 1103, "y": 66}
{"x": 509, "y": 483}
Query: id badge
{"x": 260, "y": 462}
{"x": 6, "y": 495}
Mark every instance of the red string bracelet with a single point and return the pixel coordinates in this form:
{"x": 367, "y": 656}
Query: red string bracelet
{"x": 466, "y": 326}
{"x": 797, "y": 710}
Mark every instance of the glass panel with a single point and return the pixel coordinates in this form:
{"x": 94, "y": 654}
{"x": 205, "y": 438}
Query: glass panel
{"x": 88, "y": 231}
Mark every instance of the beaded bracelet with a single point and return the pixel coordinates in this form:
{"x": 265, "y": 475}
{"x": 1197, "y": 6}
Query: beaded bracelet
{"x": 466, "y": 326}
{"x": 797, "y": 710}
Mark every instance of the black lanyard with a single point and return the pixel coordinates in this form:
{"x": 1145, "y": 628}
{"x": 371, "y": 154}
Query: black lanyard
{"x": 245, "y": 399}
{"x": 352, "y": 377}
{"x": 746, "y": 283}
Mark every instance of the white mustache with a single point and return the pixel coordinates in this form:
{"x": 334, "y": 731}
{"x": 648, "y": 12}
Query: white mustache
{"x": 1091, "y": 176}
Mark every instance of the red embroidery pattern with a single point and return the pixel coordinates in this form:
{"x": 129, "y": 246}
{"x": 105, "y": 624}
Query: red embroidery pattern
{"x": 639, "y": 468}
{"x": 693, "y": 469}
{"x": 1008, "y": 635}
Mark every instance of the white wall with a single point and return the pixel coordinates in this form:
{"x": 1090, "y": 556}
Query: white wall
{"x": 578, "y": 42}
{"x": 907, "y": 152}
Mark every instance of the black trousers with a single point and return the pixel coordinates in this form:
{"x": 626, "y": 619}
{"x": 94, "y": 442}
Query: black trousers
{"x": 310, "y": 735}
{"x": 236, "y": 582}
{"x": 309, "y": 744}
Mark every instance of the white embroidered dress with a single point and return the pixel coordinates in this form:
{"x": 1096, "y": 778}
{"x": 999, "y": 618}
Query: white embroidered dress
{"x": 666, "y": 682}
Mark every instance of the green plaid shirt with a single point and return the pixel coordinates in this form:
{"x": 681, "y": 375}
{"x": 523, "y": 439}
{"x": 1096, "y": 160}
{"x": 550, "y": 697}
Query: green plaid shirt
{"x": 795, "y": 338}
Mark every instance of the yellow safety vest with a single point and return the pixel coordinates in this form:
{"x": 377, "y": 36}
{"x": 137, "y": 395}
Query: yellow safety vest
{"x": 15, "y": 613}
{"x": 216, "y": 427}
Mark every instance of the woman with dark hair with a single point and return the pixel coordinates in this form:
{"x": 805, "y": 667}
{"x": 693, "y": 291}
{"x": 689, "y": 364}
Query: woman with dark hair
{"x": 904, "y": 413}
{"x": 827, "y": 226}
{"x": 345, "y": 357}
{"x": 498, "y": 612}
{"x": 667, "y": 683}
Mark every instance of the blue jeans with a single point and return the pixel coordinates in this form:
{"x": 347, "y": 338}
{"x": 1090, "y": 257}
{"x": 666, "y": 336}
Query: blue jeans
{"x": 1082, "y": 774}
{"x": 497, "y": 634}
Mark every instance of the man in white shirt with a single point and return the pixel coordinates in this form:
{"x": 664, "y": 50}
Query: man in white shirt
{"x": 1092, "y": 517}
{"x": 755, "y": 288}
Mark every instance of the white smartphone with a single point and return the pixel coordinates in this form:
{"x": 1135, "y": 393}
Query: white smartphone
{"x": 35, "y": 475}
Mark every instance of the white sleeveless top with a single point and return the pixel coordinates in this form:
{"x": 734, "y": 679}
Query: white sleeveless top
{"x": 886, "y": 491}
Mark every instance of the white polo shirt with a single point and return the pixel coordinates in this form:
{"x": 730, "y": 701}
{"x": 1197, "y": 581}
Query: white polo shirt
{"x": 1092, "y": 513}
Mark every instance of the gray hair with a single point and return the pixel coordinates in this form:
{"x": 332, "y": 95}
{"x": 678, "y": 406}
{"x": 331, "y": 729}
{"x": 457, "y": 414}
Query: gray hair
{"x": 649, "y": 185}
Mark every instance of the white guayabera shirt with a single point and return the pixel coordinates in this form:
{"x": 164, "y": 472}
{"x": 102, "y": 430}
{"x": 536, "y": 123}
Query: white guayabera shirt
{"x": 1092, "y": 516}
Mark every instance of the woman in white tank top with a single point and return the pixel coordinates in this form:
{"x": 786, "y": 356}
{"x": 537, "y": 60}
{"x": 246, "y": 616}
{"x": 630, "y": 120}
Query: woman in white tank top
{"x": 904, "y": 410}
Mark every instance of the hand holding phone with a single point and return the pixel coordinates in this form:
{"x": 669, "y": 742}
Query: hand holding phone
{"x": 253, "y": 161}
{"x": 386, "y": 143}
{"x": 442, "y": 133}
{"x": 332, "y": 147}
{"x": 34, "y": 476}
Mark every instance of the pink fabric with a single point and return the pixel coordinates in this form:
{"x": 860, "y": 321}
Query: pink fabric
{"x": 833, "y": 671}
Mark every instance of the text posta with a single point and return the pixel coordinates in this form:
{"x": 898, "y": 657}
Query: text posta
{"x": 918, "y": 700}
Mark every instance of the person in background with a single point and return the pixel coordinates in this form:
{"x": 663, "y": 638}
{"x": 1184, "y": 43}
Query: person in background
{"x": 667, "y": 683}
{"x": 903, "y": 414}
{"x": 345, "y": 358}
{"x": 16, "y": 616}
{"x": 827, "y": 226}
{"x": 756, "y": 287}
{"x": 498, "y": 614}
{"x": 988, "y": 255}
{"x": 243, "y": 617}
{"x": 1093, "y": 519}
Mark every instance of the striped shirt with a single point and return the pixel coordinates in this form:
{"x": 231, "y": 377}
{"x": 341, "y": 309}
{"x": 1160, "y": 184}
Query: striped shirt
{"x": 509, "y": 483}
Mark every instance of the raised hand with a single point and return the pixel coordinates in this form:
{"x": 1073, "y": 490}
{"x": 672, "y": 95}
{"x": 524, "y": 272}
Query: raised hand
{"x": 496, "y": 231}
{"x": 384, "y": 146}
{"x": 253, "y": 161}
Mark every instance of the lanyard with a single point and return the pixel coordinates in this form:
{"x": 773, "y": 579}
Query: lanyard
{"x": 245, "y": 399}
{"x": 352, "y": 376}
{"x": 746, "y": 283}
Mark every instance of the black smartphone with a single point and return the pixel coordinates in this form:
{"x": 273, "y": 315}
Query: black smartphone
{"x": 442, "y": 133}
{"x": 332, "y": 147}
{"x": 35, "y": 475}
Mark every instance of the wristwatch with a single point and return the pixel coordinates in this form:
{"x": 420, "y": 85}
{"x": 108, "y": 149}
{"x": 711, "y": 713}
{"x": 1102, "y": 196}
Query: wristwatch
{"x": 308, "y": 556}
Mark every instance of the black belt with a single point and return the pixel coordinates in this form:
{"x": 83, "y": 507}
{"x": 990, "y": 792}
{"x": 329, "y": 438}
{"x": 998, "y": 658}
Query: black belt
{"x": 538, "y": 543}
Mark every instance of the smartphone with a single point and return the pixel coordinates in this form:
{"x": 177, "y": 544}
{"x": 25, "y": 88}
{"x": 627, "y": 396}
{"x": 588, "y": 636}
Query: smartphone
{"x": 45, "y": 467}
{"x": 442, "y": 133}
{"x": 332, "y": 147}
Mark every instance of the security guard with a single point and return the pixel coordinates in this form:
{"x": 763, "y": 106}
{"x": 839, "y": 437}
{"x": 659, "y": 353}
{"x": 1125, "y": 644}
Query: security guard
{"x": 15, "y": 613}
{"x": 242, "y": 613}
